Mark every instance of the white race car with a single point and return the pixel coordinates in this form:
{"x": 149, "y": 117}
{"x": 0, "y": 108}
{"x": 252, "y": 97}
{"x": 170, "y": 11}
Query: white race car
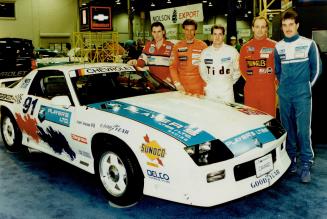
{"x": 140, "y": 136}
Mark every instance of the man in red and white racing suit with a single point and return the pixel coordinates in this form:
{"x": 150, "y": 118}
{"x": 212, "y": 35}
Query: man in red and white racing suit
{"x": 219, "y": 67}
{"x": 258, "y": 70}
{"x": 185, "y": 60}
{"x": 156, "y": 53}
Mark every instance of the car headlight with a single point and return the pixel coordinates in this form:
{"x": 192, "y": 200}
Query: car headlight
{"x": 209, "y": 152}
{"x": 275, "y": 128}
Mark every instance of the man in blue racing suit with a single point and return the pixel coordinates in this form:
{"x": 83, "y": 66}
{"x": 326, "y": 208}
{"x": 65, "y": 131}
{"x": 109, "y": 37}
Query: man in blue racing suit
{"x": 297, "y": 67}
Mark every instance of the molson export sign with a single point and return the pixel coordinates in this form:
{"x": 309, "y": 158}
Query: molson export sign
{"x": 177, "y": 15}
{"x": 153, "y": 151}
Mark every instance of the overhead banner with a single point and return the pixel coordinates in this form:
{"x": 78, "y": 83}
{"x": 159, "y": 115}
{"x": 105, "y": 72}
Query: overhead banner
{"x": 177, "y": 15}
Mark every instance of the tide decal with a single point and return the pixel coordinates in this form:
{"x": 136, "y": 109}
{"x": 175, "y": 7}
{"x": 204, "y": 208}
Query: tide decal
{"x": 184, "y": 132}
{"x": 28, "y": 125}
{"x": 51, "y": 114}
{"x": 56, "y": 141}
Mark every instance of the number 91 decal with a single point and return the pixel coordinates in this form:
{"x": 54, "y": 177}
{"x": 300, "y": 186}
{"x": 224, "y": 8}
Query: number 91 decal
{"x": 28, "y": 103}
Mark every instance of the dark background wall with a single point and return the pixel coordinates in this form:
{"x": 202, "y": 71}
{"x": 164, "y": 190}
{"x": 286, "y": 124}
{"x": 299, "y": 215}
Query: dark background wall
{"x": 314, "y": 17}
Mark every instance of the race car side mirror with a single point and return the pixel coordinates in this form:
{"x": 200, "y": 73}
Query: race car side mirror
{"x": 61, "y": 101}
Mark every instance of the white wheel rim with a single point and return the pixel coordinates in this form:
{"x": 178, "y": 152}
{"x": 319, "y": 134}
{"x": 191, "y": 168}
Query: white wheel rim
{"x": 113, "y": 174}
{"x": 8, "y": 131}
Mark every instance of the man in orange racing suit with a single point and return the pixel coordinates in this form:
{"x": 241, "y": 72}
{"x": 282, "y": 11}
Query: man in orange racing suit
{"x": 257, "y": 68}
{"x": 156, "y": 53}
{"x": 185, "y": 60}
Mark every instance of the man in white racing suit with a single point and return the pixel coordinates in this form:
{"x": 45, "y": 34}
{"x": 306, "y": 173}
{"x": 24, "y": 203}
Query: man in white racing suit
{"x": 219, "y": 67}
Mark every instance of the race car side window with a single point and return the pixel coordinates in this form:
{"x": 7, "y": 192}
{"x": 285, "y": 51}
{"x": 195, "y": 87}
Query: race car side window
{"x": 48, "y": 84}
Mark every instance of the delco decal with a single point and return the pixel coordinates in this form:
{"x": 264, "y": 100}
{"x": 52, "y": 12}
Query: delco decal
{"x": 256, "y": 63}
{"x": 186, "y": 133}
{"x": 163, "y": 177}
{"x": 51, "y": 114}
{"x": 153, "y": 151}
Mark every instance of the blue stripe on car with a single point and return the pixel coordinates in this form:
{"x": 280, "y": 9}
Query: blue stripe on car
{"x": 182, "y": 131}
{"x": 171, "y": 126}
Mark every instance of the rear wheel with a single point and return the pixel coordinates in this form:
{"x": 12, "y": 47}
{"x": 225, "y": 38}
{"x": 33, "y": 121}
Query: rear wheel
{"x": 120, "y": 175}
{"x": 11, "y": 134}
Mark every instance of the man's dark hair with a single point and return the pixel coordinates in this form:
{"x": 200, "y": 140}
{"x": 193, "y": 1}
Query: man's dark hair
{"x": 158, "y": 24}
{"x": 218, "y": 27}
{"x": 190, "y": 22}
{"x": 290, "y": 14}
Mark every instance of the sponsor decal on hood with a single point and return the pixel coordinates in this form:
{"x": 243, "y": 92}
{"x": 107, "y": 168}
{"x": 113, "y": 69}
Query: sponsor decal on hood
{"x": 184, "y": 132}
{"x": 180, "y": 130}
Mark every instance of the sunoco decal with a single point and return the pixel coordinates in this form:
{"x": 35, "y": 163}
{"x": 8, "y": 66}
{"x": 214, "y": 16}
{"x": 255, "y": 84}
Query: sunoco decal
{"x": 51, "y": 114}
{"x": 153, "y": 151}
{"x": 180, "y": 130}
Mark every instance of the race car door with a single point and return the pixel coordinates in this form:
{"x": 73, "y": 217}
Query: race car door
{"x": 46, "y": 122}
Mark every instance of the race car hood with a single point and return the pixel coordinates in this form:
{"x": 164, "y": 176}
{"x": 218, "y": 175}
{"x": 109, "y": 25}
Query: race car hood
{"x": 192, "y": 120}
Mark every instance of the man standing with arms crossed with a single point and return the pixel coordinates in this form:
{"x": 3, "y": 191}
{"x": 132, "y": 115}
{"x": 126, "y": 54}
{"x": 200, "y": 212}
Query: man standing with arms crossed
{"x": 258, "y": 70}
{"x": 185, "y": 60}
{"x": 219, "y": 67}
{"x": 156, "y": 53}
{"x": 297, "y": 66}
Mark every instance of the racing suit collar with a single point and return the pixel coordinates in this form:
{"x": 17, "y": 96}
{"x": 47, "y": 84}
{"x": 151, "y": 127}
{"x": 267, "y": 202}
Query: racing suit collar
{"x": 291, "y": 39}
{"x": 261, "y": 39}
{"x": 190, "y": 41}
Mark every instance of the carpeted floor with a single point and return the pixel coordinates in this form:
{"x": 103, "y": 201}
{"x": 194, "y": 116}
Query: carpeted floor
{"x": 38, "y": 186}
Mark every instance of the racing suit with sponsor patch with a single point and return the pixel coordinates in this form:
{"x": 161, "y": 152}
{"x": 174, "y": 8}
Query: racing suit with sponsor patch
{"x": 184, "y": 68}
{"x": 219, "y": 68}
{"x": 258, "y": 70}
{"x": 157, "y": 59}
{"x": 297, "y": 67}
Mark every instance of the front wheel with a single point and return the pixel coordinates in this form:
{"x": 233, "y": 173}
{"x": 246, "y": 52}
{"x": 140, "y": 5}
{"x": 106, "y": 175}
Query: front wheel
{"x": 120, "y": 176}
{"x": 11, "y": 134}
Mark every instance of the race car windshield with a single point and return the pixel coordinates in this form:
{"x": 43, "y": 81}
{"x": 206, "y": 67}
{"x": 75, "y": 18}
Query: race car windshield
{"x": 93, "y": 88}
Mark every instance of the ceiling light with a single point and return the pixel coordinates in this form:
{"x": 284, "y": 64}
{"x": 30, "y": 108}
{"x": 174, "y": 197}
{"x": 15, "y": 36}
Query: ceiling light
{"x": 249, "y": 12}
{"x": 239, "y": 1}
{"x": 168, "y": 2}
{"x": 210, "y": 4}
{"x": 204, "y": 1}
{"x": 246, "y": 15}
{"x": 226, "y": 15}
{"x": 153, "y": 5}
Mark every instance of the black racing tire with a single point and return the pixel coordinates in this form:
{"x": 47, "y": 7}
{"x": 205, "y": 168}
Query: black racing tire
{"x": 119, "y": 175}
{"x": 10, "y": 133}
